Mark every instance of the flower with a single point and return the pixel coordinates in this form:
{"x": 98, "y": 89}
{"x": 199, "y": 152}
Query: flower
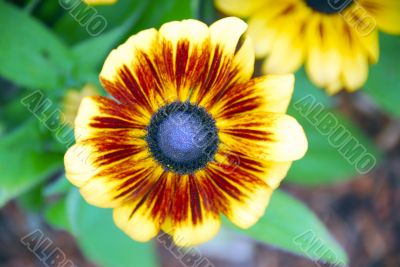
{"x": 72, "y": 100}
{"x": 99, "y": 2}
{"x": 188, "y": 135}
{"x": 335, "y": 39}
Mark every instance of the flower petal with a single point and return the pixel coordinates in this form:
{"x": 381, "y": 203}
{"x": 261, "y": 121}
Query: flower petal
{"x": 244, "y": 59}
{"x": 270, "y": 93}
{"x": 226, "y": 32}
{"x": 142, "y": 215}
{"x": 140, "y": 226}
{"x": 370, "y": 43}
{"x": 323, "y": 62}
{"x": 247, "y": 212}
{"x": 287, "y": 52}
{"x": 129, "y": 75}
{"x": 108, "y": 139}
{"x": 354, "y": 61}
{"x": 386, "y": 13}
{"x": 239, "y": 8}
{"x": 275, "y": 172}
{"x": 263, "y": 33}
{"x": 184, "y": 56}
{"x": 193, "y": 218}
{"x": 363, "y": 26}
{"x": 99, "y": 2}
{"x": 240, "y": 192}
{"x": 92, "y": 165}
{"x": 229, "y": 63}
{"x": 99, "y": 116}
{"x": 270, "y": 136}
{"x": 271, "y": 172}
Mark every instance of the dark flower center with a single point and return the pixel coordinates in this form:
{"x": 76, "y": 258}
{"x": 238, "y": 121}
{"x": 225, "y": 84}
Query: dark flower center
{"x": 329, "y": 6}
{"x": 182, "y": 137}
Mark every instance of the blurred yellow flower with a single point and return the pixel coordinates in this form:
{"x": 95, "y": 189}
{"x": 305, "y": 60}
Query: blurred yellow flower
{"x": 72, "y": 100}
{"x": 99, "y": 2}
{"x": 188, "y": 134}
{"x": 336, "y": 39}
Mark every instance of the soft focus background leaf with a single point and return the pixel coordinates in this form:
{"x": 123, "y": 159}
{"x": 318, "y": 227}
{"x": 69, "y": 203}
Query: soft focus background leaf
{"x": 155, "y": 13}
{"x": 304, "y": 87}
{"x": 56, "y": 214}
{"x": 12, "y": 113}
{"x": 30, "y": 54}
{"x": 101, "y": 241}
{"x": 290, "y": 225}
{"x": 24, "y": 161}
{"x": 206, "y": 11}
{"x": 91, "y": 53}
{"x": 174, "y": 10}
{"x": 32, "y": 200}
{"x": 383, "y": 83}
{"x": 323, "y": 163}
{"x": 72, "y": 26}
{"x": 59, "y": 187}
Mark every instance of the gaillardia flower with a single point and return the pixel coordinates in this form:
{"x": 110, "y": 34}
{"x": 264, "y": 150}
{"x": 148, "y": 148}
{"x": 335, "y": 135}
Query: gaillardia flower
{"x": 188, "y": 135}
{"x": 336, "y": 39}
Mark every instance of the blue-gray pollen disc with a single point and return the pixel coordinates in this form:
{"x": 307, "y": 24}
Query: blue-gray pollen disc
{"x": 182, "y": 137}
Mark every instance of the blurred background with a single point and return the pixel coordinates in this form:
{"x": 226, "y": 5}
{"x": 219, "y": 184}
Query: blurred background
{"x": 51, "y": 53}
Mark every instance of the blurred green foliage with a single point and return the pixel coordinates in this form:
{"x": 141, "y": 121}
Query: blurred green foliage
{"x": 31, "y": 55}
{"x": 285, "y": 225}
{"x": 323, "y": 163}
{"x": 383, "y": 83}
{"x": 101, "y": 241}
{"x": 25, "y": 160}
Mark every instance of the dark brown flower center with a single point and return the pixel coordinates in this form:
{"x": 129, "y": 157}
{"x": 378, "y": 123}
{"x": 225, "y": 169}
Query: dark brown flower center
{"x": 183, "y": 137}
{"x": 329, "y": 6}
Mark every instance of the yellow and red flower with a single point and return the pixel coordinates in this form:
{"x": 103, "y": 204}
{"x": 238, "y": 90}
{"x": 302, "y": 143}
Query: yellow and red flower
{"x": 336, "y": 39}
{"x": 188, "y": 135}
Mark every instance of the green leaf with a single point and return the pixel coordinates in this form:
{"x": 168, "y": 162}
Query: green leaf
{"x": 303, "y": 87}
{"x": 24, "y": 161}
{"x": 383, "y": 83}
{"x": 178, "y": 10}
{"x": 161, "y": 11}
{"x": 75, "y": 25}
{"x": 206, "y": 11}
{"x": 32, "y": 200}
{"x": 101, "y": 241}
{"x": 56, "y": 214}
{"x": 30, "y": 54}
{"x": 12, "y": 113}
{"x": 59, "y": 187}
{"x": 290, "y": 225}
{"x": 91, "y": 53}
{"x": 337, "y": 149}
